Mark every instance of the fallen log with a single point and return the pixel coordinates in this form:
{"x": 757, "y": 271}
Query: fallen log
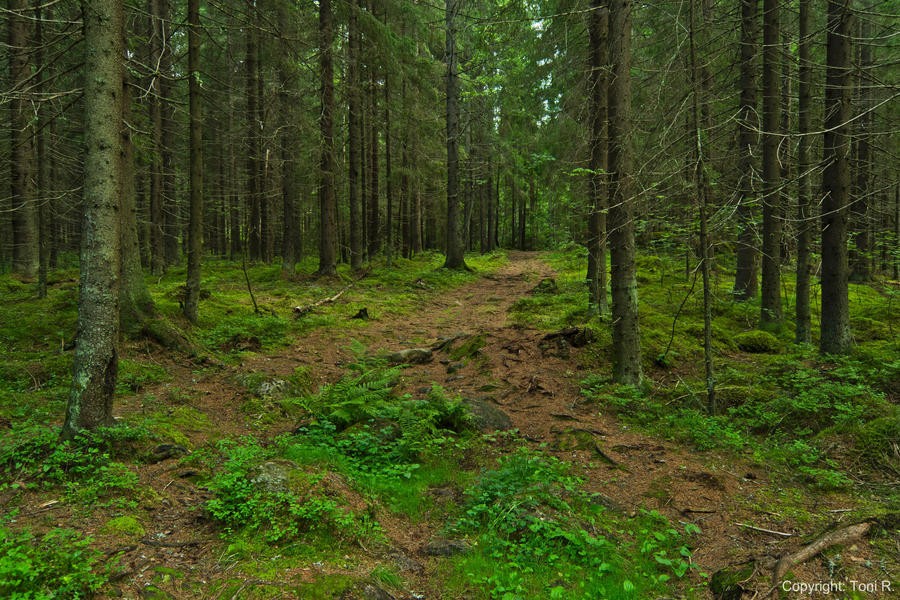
{"x": 844, "y": 535}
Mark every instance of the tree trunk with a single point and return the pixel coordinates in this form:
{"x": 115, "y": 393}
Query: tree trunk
{"x": 701, "y": 187}
{"x": 254, "y": 235}
{"x": 373, "y": 241}
{"x": 289, "y": 142}
{"x": 353, "y": 138}
{"x": 388, "y": 183}
{"x": 835, "y": 320}
{"x": 25, "y": 251}
{"x": 770, "y": 302}
{"x": 95, "y": 367}
{"x": 327, "y": 206}
{"x": 804, "y": 203}
{"x": 860, "y": 256}
{"x": 195, "y": 223}
{"x": 43, "y": 161}
{"x": 596, "y": 268}
{"x": 455, "y": 257}
{"x": 626, "y": 335}
{"x": 170, "y": 214}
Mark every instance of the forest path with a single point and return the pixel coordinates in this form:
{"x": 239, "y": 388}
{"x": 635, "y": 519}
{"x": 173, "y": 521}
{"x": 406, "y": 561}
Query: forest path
{"x": 537, "y": 385}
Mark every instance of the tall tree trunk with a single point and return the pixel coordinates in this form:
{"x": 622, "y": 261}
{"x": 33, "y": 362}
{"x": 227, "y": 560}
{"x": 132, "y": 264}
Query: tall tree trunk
{"x": 596, "y": 267}
{"x": 43, "y": 160}
{"x": 455, "y": 256}
{"x": 701, "y": 188}
{"x": 254, "y": 235}
{"x": 96, "y": 362}
{"x": 804, "y": 202}
{"x": 288, "y": 141}
{"x": 626, "y": 335}
{"x": 195, "y": 222}
{"x": 860, "y": 256}
{"x": 327, "y": 206}
{"x": 388, "y": 182}
{"x": 835, "y": 320}
{"x": 770, "y": 301}
{"x": 353, "y": 135}
{"x": 373, "y": 221}
{"x": 170, "y": 215}
{"x": 26, "y": 253}
{"x": 157, "y": 218}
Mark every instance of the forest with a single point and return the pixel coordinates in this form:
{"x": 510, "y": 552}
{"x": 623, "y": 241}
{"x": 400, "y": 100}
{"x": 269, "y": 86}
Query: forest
{"x": 450, "y": 299}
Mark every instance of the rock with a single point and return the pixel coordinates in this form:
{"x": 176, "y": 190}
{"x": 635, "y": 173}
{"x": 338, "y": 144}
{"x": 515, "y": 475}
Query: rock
{"x": 453, "y": 368}
{"x": 405, "y": 563}
{"x": 547, "y": 285}
{"x": 438, "y": 546}
{"x": 757, "y": 342}
{"x": 411, "y": 356}
{"x": 607, "y": 503}
{"x": 273, "y": 476}
{"x": 486, "y": 415}
{"x": 469, "y": 348}
{"x": 454, "y": 378}
{"x": 370, "y": 591}
{"x": 167, "y": 451}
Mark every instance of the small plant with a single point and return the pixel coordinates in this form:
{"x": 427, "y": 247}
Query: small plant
{"x": 59, "y": 565}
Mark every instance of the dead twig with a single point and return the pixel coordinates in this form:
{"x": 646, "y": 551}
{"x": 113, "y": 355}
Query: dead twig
{"x": 769, "y": 531}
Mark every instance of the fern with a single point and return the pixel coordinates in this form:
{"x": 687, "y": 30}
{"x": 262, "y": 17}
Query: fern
{"x": 356, "y": 397}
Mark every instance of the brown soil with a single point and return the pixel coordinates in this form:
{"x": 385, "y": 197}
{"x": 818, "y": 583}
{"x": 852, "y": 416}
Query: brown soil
{"x": 538, "y": 389}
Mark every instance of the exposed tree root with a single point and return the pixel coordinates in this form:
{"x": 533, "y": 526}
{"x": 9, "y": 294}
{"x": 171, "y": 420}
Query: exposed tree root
{"x": 844, "y": 535}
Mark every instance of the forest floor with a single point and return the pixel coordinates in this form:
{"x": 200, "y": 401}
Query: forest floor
{"x": 418, "y": 521}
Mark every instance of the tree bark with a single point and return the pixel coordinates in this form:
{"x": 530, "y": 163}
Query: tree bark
{"x": 835, "y": 320}
{"x": 26, "y": 253}
{"x": 289, "y": 143}
{"x": 254, "y": 235}
{"x": 626, "y": 335}
{"x": 327, "y": 206}
{"x": 771, "y": 314}
{"x": 860, "y": 256}
{"x": 596, "y": 268}
{"x": 353, "y": 133}
{"x": 455, "y": 257}
{"x": 804, "y": 202}
{"x": 95, "y": 367}
{"x": 195, "y": 223}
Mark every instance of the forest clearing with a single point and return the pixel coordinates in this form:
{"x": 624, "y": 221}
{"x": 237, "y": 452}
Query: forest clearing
{"x": 453, "y": 300}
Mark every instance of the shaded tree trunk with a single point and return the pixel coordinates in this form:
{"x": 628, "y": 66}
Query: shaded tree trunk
{"x": 860, "y": 256}
{"x": 25, "y": 251}
{"x": 289, "y": 143}
{"x": 596, "y": 267}
{"x": 804, "y": 203}
{"x": 96, "y": 362}
{"x": 254, "y": 235}
{"x": 770, "y": 301}
{"x": 835, "y": 320}
{"x": 626, "y": 335}
{"x": 454, "y": 248}
{"x": 353, "y": 135}
{"x": 327, "y": 206}
{"x": 195, "y": 222}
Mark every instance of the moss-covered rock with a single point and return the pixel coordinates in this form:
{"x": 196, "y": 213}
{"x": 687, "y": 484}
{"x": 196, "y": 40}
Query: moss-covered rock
{"x": 126, "y": 527}
{"x": 757, "y": 342}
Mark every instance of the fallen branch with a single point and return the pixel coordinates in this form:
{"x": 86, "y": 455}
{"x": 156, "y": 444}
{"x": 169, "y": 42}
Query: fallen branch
{"x": 769, "y": 531}
{"x": 845, "y": 535}
{"x": 299, "y": 311}
{"x": 161, "y": 544}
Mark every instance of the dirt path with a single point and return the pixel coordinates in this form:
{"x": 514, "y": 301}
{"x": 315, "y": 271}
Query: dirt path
{"x": 538, "y": 388}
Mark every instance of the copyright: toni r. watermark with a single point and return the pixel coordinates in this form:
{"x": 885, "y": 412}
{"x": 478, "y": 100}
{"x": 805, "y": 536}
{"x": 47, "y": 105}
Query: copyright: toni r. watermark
{"x": 826, "y": 588}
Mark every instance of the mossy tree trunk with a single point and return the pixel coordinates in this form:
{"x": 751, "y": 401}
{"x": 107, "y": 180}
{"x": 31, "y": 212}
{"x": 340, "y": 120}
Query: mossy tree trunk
{"x": 626, "y": 335}
{"x": 96, "y": 361}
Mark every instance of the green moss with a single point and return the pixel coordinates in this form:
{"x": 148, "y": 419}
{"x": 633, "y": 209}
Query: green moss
{"x": 757, "y": 342}
{"x": 125, "y": 527}
{"x": 468, "y": 348}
